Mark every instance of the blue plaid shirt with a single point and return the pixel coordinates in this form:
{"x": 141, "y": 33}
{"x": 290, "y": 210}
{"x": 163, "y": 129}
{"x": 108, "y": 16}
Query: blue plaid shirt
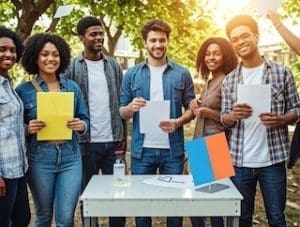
{"x": 12, "y": 141}
{"x": 284, "y": 99}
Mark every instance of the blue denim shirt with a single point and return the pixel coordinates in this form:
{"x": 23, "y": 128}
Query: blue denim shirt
{"x": 27, "y": 93}
{"x": 177, "y": 87}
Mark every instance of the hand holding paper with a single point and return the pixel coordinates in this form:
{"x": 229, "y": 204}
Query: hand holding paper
{"x": 241, "y": 111}
{"x": 272, "y": 120}
{"x": 137, "y": 104}
{"x": 168, "y": 126}
{"x": 76, "y": 124}
{"x": 35, "y": 125}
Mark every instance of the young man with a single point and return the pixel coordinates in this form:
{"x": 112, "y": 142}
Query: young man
{"x": 157, "y": 78}
{"x": 258, "y": 148}
{"x": 99, "y": 78}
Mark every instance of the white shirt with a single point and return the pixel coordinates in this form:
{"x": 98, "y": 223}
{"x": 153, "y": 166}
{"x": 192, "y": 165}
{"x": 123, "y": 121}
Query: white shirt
{"x": 98, "y": 97}
{"x": 159, "y": 140}
{"x": 256, "y": 152}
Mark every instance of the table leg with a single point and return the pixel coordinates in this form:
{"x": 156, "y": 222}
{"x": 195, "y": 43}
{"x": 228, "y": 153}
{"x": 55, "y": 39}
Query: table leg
{"x": 87, "y": 221}
{"x": 232, "y": 221}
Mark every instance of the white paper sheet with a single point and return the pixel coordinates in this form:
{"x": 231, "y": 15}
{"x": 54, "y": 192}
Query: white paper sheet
{"x": 171, "y": 181}
{"x": 63, "y": 11}
{"x": 263, "y": 6}
{"x": 257, "y": 96}
{"x": 152, "y": 114}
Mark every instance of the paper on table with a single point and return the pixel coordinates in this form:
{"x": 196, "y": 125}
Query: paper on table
{"x": 170, "y": 181}
{"x": 152, "y": 114}
{"x": 258, "y": 96}
{"x": 63, "y": 11}
{"x": 262, "y": 7}
{"x": 55, "y": 108}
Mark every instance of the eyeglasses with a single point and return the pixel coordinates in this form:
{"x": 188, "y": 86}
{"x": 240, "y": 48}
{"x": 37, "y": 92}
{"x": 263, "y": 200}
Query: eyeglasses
{"x": 243, "y": 36}
{"x": 168, "y": 179}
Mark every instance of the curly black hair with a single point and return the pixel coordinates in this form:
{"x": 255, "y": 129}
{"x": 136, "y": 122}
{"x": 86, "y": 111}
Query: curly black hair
{"x": 6, "y": 32}
{"x": 242, "y": 20}
{"x": 155, "y": 25}
{"x": 230, "y": 60}
{"x": 87, "y": 22}
{"x": 34, "y": 45}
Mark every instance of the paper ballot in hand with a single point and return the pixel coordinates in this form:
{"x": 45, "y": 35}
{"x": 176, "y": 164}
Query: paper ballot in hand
{"x": 56, "y": 109}
{"x": 262, "y": 7}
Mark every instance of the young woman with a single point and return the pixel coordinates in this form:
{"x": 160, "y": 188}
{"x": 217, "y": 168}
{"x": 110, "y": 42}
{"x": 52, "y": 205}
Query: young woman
{"x": 55, "y": 168}
{"x": 215, "y": 59}
{"x": 14, "y": 206}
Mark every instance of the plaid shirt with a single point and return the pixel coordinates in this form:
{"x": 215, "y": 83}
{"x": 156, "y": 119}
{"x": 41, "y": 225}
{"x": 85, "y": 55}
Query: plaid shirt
{"x": 12, "y": 141}
{"x": 284, "y": 98}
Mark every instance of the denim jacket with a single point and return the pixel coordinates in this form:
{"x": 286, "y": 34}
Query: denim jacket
{"x": 27, "y": 93}
{"x": 177, "y": 87}
{"x": 78, "y": 72}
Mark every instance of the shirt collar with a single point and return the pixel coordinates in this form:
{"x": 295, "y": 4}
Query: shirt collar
{"x": 61, "y": 80}
{"x": 169, "y": 63}
{"x": 3, "y": 79}
{"x": 81, "y": 57}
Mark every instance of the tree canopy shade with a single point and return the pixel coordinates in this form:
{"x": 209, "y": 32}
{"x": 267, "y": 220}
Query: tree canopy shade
{"x": 189, "y": 20}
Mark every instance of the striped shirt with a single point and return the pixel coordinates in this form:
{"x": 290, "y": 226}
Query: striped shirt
{"x": 12, "y": 141}
{"x": 284, "y": 98}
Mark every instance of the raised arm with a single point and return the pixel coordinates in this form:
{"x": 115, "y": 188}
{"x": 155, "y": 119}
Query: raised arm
{"x": 292, "y": 40}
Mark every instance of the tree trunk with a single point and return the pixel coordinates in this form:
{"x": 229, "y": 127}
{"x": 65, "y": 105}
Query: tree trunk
{"x": 30, "y": 13}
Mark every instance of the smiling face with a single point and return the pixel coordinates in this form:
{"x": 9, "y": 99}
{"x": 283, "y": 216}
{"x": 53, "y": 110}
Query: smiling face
{"x": 157, "y": 45}
{"x": 244, "y": 41}
{"x": 8, "y": 55}
{"x": 93, "y": 39}
{"x": 214, "y": 58}
{"x": 48, "y": 60}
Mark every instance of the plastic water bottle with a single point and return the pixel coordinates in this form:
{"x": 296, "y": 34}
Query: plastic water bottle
{"x": 119, "y": 166}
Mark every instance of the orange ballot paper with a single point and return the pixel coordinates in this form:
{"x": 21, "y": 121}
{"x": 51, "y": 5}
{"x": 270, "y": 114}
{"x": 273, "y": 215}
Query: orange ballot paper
{"x": 55, "y": 109}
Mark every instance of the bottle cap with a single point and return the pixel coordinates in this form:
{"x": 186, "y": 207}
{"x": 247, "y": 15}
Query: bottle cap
{"x": 119, "y": 152}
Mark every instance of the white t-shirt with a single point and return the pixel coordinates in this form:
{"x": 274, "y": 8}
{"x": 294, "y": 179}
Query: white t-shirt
{"x": 159, "y": 140}
{"x": 256, "y": 152}
{"x": 98, "y": 97}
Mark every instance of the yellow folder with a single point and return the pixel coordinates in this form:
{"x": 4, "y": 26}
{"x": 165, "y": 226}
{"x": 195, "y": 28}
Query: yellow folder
{"x": 55, "y": 109}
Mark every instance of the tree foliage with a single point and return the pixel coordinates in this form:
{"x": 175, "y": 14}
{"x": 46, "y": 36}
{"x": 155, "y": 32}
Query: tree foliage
{"x": 188, "y": 18}
{"x": 291, "y": 7}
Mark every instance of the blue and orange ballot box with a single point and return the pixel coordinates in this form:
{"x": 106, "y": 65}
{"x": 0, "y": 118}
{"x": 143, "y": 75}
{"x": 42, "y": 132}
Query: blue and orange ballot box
{"x": 209, "y": 159}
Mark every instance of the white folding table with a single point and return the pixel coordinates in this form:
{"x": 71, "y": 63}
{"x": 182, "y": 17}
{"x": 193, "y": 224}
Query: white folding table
{"x": 102, "y": 199}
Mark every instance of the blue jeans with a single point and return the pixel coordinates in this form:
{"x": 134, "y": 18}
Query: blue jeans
{"x": 14, "y": 206}
{"x": 100, "y": 156}
{"x": 154, "y": 159}
{"x": 55, "y": 178}
{"x": 272, "y": 182}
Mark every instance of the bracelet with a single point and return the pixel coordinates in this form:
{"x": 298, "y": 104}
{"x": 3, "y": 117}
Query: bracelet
{"x": 278, "y": 25}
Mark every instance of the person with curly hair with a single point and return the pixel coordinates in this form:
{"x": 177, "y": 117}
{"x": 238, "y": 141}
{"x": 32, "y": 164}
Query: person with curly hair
{"x": 55, "y": 168}
{"x": 14, "y": 205}
{"x": 215, "y": 59}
